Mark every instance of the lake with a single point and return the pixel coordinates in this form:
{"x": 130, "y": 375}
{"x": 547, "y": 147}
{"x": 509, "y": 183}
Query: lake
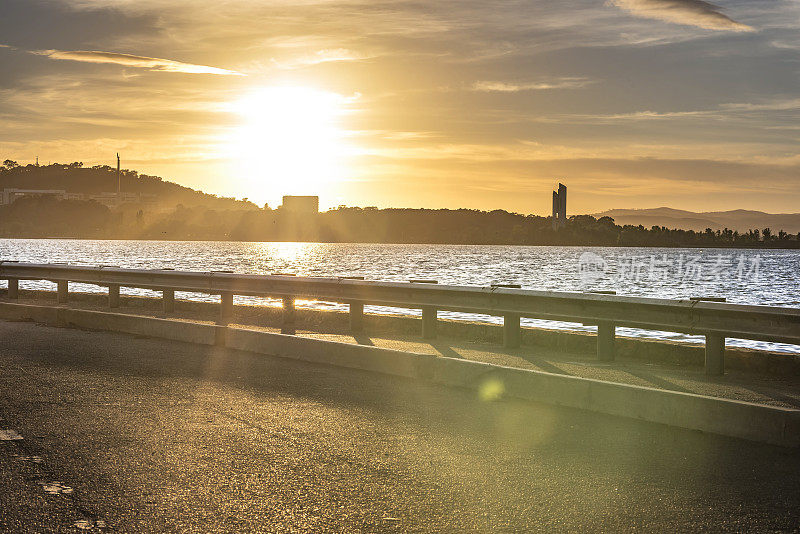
{"x": 747, "y": 276}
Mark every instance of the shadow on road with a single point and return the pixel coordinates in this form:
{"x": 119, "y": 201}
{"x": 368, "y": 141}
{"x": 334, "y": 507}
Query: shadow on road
{"x": 442, "y": 459}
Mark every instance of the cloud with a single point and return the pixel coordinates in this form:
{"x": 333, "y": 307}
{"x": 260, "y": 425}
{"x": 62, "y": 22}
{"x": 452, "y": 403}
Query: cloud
{"x": 688, "y": 12}
{"x": 321, "y": 56}
{"x": 127, "y": 60}
{"x": 503, "y": 87}
{"x": 774, "y": 105}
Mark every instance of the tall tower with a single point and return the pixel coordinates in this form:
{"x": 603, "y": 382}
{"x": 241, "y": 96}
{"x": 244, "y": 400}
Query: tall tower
{"x": 556, "y": 205}
{"x": 560, "y": 207}
{"x": 119, "y": 183}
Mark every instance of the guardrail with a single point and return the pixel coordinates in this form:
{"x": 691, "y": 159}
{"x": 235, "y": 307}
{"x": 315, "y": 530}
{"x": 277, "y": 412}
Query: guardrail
{"x": 715, "y": 320}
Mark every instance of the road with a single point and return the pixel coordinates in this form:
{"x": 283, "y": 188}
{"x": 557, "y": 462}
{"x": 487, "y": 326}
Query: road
{"x": 128, "y": 434}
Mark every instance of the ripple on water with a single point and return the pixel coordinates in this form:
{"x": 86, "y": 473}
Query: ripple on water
{"x": 649, "y": 272}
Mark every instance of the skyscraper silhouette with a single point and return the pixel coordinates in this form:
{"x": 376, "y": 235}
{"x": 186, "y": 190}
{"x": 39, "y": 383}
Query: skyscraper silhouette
{"x": 560, "y": 206}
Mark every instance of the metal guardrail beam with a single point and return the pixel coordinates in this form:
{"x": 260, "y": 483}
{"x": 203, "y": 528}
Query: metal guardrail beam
{"x": 764, "y": 323}
{"x": 690, "y": 316}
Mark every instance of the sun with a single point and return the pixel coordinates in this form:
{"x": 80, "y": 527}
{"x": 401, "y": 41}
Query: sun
{"x": 289, "y": 141}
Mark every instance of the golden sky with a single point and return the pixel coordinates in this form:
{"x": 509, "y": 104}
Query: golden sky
{"x": 454, "y": 103}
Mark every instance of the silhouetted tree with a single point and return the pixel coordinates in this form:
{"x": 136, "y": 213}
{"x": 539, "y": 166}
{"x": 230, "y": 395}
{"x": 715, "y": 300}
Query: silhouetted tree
{"x": 182, "y": 213}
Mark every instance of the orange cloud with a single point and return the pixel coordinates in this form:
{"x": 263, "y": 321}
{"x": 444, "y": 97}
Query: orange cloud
{"x": 128, "y": 60}
{"x": 320, "y": 56}
{"x": 503, "y": 87}
{"x": 688, "y": 12}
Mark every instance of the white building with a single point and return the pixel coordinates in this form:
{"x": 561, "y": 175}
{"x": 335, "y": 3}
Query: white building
{"x": 301, "y": 204}
{"x": 112, "y": 200}
{"x": 10, "y": 195}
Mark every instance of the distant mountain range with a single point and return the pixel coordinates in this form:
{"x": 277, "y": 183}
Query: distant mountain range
{"x": 740, "y": 220}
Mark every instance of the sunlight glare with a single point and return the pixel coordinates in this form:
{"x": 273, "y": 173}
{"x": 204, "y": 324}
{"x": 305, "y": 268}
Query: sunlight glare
{"x": 290, "y": 142}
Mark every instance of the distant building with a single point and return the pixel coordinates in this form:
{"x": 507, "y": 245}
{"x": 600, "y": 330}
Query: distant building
{"x": 301, "y": 204}
{"x": 560, "y": 206}
{"x": 11, "y": 195}
{"x": 112, "y": 200}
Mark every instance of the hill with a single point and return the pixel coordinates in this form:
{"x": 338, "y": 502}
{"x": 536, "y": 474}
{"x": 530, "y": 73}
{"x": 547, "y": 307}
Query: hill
{"x": 74, "y": 178}
{"x": 740, "y": 220}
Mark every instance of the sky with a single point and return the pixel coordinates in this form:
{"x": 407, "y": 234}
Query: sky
{"x": 453, "y": 103}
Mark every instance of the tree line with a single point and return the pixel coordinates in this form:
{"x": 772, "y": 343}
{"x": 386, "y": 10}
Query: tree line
{"x": 40, "y": 217}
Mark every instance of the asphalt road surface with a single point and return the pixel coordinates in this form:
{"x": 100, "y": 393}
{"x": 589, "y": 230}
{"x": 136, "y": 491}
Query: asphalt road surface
{"x": 125, "y": 434}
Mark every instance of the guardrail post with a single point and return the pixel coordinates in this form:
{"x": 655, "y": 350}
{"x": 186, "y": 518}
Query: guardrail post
{"x": 113, "y": 296}
{"x": 288, "y": 316}
{"x": 13, "y": 288}
{"x": 356, "y": 317}
{"x": 512, "y": 334}
{"x": 606, "y": 342}
{"x": 168, "y": 298}
{"x": 429, "y": 315}
{"x": 715, "y": 354}
{"x": 63, "y": 291}
{"x": 225, "y": 307}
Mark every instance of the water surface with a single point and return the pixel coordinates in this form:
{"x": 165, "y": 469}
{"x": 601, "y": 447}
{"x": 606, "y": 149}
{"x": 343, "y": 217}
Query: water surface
{"x": 766, "y": 277}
